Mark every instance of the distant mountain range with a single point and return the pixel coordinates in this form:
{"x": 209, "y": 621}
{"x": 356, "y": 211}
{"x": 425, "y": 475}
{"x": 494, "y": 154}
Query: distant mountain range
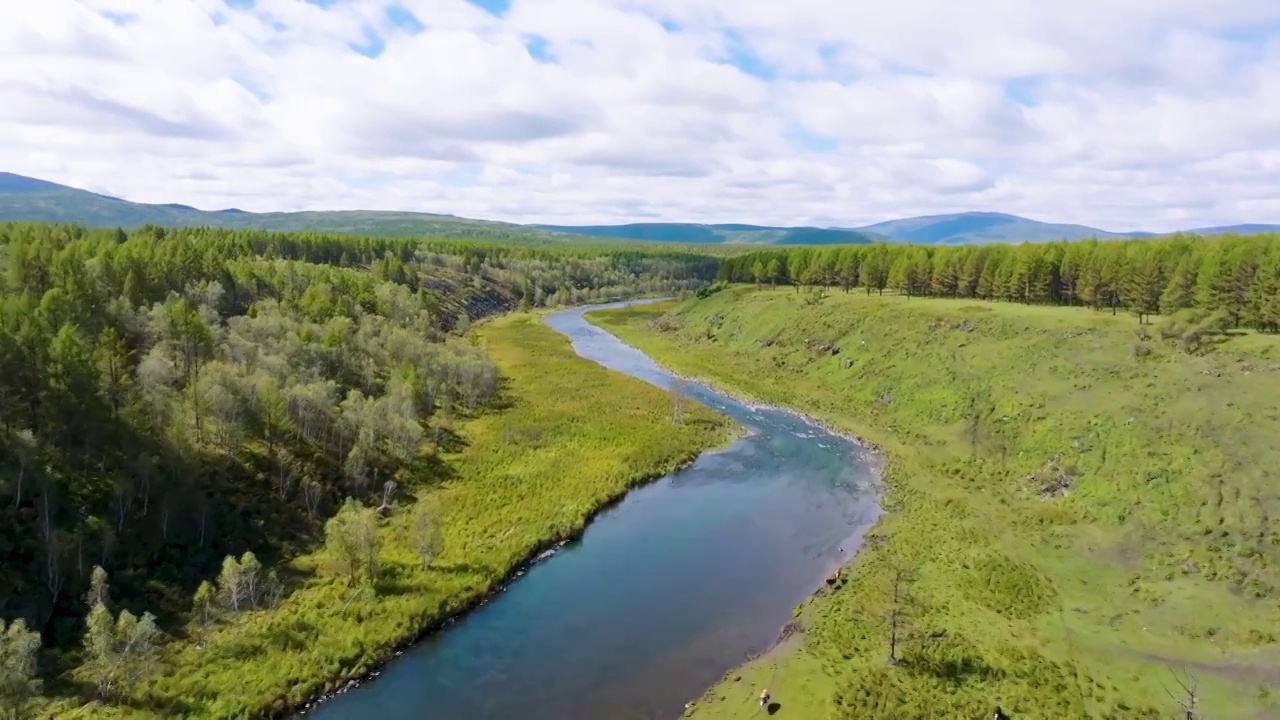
{"x": 985, "y": 227}
{"x": 726, "y": 233}
{"x": 25, "y": 198}
{"x": 31, "y": 199}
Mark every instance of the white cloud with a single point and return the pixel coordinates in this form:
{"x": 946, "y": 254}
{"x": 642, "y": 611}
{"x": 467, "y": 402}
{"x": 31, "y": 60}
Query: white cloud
{"x": 1123, "y": 114}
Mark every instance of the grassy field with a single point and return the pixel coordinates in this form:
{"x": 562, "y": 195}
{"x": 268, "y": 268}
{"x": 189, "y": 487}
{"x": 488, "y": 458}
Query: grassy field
{"x": 1086, "y": 509}
{"x": 572, "y": 437}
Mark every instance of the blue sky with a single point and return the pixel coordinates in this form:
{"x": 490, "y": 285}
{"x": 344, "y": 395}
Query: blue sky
{"x": 1118, "y": 113}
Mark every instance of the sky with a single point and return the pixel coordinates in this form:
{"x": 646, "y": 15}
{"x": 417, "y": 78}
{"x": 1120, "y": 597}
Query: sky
{"x": 1120, "y": 114}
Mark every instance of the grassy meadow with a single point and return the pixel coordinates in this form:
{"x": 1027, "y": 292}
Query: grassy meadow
{"x": 1081, "y": 511}
{"x": 568, "y": 437}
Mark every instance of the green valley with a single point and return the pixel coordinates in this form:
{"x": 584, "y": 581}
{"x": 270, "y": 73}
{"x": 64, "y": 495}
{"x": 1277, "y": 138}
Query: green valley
{"x": 241, "y": 470}
{"x": 639, "y": 360}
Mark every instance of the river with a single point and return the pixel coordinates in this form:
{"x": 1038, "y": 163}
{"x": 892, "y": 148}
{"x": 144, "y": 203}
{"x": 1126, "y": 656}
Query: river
{"x": 663, "y": 594}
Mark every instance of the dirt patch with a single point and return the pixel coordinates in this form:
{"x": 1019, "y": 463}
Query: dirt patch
{"x": 1239, "y": 672}
{"x": 1053, "y": 480}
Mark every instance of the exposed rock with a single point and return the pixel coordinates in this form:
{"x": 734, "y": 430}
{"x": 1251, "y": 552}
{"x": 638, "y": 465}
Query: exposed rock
{"x": 848, "y": 363}
{"x": 1053, "y": 481}
{"x": 790, "y": 629}
{"x": 822, "y": 347}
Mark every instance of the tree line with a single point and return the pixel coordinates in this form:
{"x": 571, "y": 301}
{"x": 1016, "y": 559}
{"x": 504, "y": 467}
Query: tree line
{"x": 189, "y": 408}
{"x": 1234, "y": 277}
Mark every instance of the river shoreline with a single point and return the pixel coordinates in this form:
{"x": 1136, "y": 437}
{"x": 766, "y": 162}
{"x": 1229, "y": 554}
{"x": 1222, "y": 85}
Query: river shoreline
{"x": 875, "y": 456}
{"x": 867, "y": 453}
{"x": 531, "y": 559}
{"x": 875, "y": 452}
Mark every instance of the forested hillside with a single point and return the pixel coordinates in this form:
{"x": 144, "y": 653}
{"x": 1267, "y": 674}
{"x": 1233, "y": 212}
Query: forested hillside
{"x": 1235, "y": 277}
{"x": 28, "y": 199}
{"x": 172, "y": 398}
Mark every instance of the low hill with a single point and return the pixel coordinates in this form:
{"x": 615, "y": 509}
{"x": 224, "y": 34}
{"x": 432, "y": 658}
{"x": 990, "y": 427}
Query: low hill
{"x": 31, "y": 199}
{"x": 24, "y": 199}
{"x": 724, "y": 233}
{"x": 1249, "y": 229}
{"x": 978, "y": 228}
{"x": 983, "y": 227}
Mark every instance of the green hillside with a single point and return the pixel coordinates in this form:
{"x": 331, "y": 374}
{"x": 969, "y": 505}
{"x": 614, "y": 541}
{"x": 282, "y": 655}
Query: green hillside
{"x": 1080, "y": 501}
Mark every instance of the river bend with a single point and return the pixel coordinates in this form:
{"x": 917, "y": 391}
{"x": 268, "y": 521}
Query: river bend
{"x": 663, "y": 594}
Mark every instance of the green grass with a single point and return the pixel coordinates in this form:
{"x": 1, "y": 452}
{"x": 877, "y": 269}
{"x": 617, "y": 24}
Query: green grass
{"x": 1161, "y": 554}
{"x": 573, "y": 437}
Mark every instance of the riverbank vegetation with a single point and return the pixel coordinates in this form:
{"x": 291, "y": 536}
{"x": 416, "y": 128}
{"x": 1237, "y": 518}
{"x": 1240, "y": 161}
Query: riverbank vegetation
{"x": 1081, "y": 513}
{"x": 239, "y": 467}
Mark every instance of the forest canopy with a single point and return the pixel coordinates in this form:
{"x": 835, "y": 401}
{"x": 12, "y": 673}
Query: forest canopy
{"x": 172, "y": 398}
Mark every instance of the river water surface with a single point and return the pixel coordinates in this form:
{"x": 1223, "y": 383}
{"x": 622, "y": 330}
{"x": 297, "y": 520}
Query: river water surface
{"x": 663, "y": 594}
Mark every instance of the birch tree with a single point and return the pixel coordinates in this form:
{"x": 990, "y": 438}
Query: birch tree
{"x": 19, "y": 651}
{"x": 428, "y": 531}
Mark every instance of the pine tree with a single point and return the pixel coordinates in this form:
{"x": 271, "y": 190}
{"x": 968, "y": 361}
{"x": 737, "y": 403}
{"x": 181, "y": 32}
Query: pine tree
{"x": 1264, "y": 293}
{"x": 1143, "y": 282}
{"x": 1180, "y": 290}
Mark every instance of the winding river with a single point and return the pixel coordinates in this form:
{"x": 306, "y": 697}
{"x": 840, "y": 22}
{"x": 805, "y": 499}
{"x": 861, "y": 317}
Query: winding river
{"x": 664, "y": 593}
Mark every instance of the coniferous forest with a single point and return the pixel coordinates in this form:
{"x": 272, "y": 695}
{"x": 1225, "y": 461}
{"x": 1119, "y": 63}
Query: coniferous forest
{"x": 188, "y": 408}
{"x": 1233, "y": 278}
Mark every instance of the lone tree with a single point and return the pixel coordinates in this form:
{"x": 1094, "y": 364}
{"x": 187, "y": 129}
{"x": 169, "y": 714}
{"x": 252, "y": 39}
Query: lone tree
{"x": 18, "y": 682}
{"x": 351, "y": 537}
{"x": 1187, "y": 697}
{"x": 204, "y": 605}
{"x": 99, "y": 590}
{"x": 679, "y": 390}
{"x": 977, "y": 407}
{"x": 428, "y": 534}
{"x": 902, "y": 605}
{"x": 388, "y": 492}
